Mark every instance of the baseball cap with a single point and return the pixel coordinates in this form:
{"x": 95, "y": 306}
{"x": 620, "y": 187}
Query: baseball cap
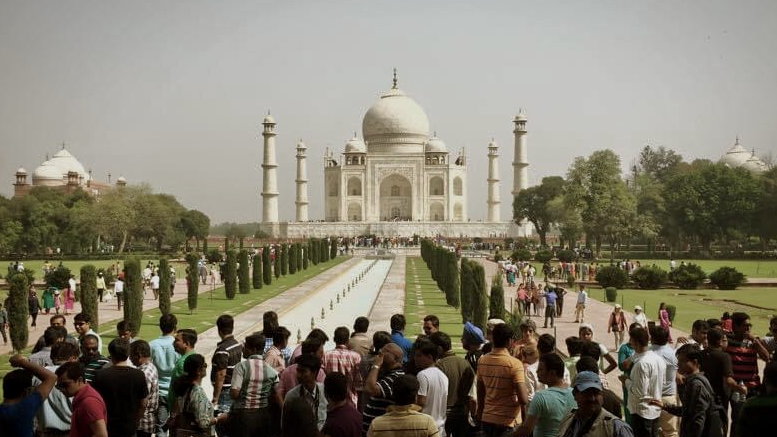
{"x": 637, "y": 307}
{"x": 586, "y": 380}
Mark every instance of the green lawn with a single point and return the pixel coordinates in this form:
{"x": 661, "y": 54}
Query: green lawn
{"x": 751, "y": 268}
{"x": 36, "y": 265}
{"x": 208, "y": 309}
{"x": 422, "y": 297}
{"x": 759, "y": 303}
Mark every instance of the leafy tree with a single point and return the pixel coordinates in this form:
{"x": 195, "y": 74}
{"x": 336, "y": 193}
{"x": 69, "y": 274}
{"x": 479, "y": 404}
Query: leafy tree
{"x": 58, "y": 278}
{"x": 133, "y": 292}
{"x": 195, "y": 225}
{"x": 165, "y": 286}
{"x": 18, "y": 311}
{"x": 532, "y": 204}
{"x": 521, "y": 255}
{"x": 230, "y": 275}
{"x": 659, "y": 164}
{"x": 89, "y": 293}
{"x": 192, "y": 281}
{"x": 497, "y": 298}
{"x": 570, "y": 222}
{"x": 764, "y": 224}
{"x": 257, "y": 274}
{"x": 243, "y": 273}
{"x": 266, "y": 268}
{"x": 543, "y": 256}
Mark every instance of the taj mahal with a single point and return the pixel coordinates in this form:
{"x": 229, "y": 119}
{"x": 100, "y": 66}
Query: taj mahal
{"x": 397, "y": 180}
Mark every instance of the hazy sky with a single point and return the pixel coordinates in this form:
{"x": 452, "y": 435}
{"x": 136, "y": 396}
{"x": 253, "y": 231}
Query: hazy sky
{"x": 172, "y": 93}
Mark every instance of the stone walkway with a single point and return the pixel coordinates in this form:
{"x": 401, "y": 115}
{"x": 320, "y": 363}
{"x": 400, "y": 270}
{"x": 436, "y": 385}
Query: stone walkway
{"x": 391, "y": 299}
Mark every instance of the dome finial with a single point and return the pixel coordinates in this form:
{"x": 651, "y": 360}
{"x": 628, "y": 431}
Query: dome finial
{"x": 737, "y": 141}
{"x": 395, "y": 80}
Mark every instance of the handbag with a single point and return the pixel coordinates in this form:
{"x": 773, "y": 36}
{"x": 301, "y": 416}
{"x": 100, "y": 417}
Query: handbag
{"x": 184, "y": 424}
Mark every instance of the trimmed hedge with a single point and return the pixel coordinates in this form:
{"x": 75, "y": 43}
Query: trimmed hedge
{"x": 165, "y": 286}
{"x": 88, "y": 280}
{"x": 611, "y": 293}
{"x": 543, "y": 256}
{"x": 496, "y": 308}
{"x": 521, "y": 255}
{"x": 242, "y": 273}
{"x": 256, "y": 276}
{"x": 649, "y": 277}
{"x": 18, "y": 311}
{"x": 612, "y": 276}
{"x": 133, "y": 292}
{"x": 230, "y": 275}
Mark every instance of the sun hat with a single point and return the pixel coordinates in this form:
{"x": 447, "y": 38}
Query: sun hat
{"x": 637, "y": 307}
{"x": 618, "y": 306}
{"x": 586, "y": 380}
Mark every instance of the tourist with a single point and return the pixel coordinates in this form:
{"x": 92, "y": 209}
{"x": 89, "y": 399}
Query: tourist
{"x": 625, "y": 354}
{"x": 83, "y": 325}
{"x": 123, "y": 389}
{"x": 397, "y": 335}
{"x": 611, "y": 402}
{"x": 551, "y": 300}
{"x": 342, "y": 418}
{"x": 551, "y": 405}
{"x": 118, "y": 290}
{"x": 403, "y": 419}
{"x": 560, "y": 293}
{"x": 700, "y": 412}
{"x": 342, "y": 359}
{"x": 100, "y": 284}
{"x": 698, "y": 335}
{"x": 53, "y": 418}
{"x": 33, "y": 306}
{"x": 590, "y": 415}
{"x": 17, "y": 412}
{"x": 647, "y": 380}
{"x": 586, "y": 333}
{"x": 664, "y": 319}
{"x": 164, "y": 357}
{"x": 574, "y": 347}
{"x": 71, "y": 284}
{"x": 48, "y": 299}
{"x": 472, "y": 341}
{"x": 431, "y": 324}
{"x": 717, "y": 367}
{"x": 288, "y": 378}
{"x": 228, "y": 353}
{"x": 757, "y": 413}
{"x": 194, "y": 410}
{"x": 51, "y": 335}
{"x": 91, "y": 358}
{"x": 269, "y": 325}
{"x": 582, "y": 299}
{"x": 530, "y": 357}
{"x": 253, "y": 390}
{"x": 315, "y": 334}
{"x": 461, "y": 378}
{"x": 660, "y": 338}
{"x": 640, "y": 317}
{"x": 433, "y": 383}
{"x": 57, "y": 320}
{"x": 3, "y": 323}
{"x": 360, "y": 341}
{"x": 617, "y": 325}
{"x": 90, "y": 417}
{"x": 385, "y": 370}
{"x": 726, "y": 322}
{"x": 125, "y": 330}
{"x": 274, "y": 357}
{"x": 155, "y": 285}
{"x": 69, "y": 298}
{"x": 528, "y": 337}
{"x": 501, "y": 386}
{"x": 379, "y": 339}
{"x": 185, "y": 340}
{"x": 309, "y": 389}
{"x": 140, "y": 356}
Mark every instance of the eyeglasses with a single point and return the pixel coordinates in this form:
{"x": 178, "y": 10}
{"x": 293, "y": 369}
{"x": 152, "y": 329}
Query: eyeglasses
{"x": 79, "y": 323}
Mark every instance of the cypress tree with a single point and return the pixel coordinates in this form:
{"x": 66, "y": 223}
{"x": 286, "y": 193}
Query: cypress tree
{"x": 192, "y": 281}
{"x": 266, "y": 267}
{"x": 276, "y": 268}
{"x": 313, "y": 251}
{"x": 305, "y": 255}
{"x": 204, "y": 246}
{"x": 292, "y": 259}
{"x": 165, "y": 286}
{"x": 497, "y": 298}
{"x": 133, "y": 293}
{"x": 89, "y": 293}
{"x": 452, "y": 283}
{"x": 18, "y": 311}
{"x": 230, "y": 275}
{"x": 242, "y": 274}
{"x": 256, "y": 277}
{"x": 467, "y": 290}
{"x": 480, "y": 307}
{"x": 333, "y": 249}
{"x": 325, "y": 249}
{"x": 284, "y": 259}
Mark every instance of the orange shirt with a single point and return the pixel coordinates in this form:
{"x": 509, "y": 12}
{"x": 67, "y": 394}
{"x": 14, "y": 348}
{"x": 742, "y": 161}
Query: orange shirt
{"x": 500, "y": 374}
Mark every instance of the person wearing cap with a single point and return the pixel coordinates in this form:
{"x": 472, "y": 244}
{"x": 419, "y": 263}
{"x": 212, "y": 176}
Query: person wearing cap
{"x": 589, "y": 419}
{"x": 617, "y": 325}
{"x": 640, "y": 317}
{"x": 472, "y": 340}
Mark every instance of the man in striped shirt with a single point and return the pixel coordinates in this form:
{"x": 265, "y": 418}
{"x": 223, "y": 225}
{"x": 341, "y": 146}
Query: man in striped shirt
{"x": 501, "y": 386}
{"x": 385, "y": 370}
{"x": 342, "y": 359}
{"x": 253, "y": 388}
{"x": 228, "y": 353}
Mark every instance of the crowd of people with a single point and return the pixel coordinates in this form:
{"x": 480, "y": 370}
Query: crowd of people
{"x": 509, "y": 382}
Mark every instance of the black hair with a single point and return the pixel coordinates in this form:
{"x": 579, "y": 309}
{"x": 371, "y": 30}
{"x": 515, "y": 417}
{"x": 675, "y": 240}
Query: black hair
{"x": 700, "y": 325}
{"x": 280, "y": 336}
{"x": 255, "y": 342}
{"x": 361, "y": 324}
{"x": 336, "y": 387}
{"x": 168, "y": 323}
{"x": 405, "y": 390}
{"x": 118, "y": 349}
{"x": 546, "y": 344}
{"x": 586, "y": 363}
{"x": 640, "y": 336}
{"x": 574, "y": 345}
{"x": 61, "y": 351}
{"x": 89, "y": 337}
{"x": 434, "y": 319}
{"x": 715, "y": 336}
{"x": 52, "y": 334}
{"x": 191, "y": 368}
{"x": 74, "y": 370}
{"x": 189, "y": 336}
{"x": 426, "y": 347}
{"x": 82, "y": 317}
{"x": 140, "y": 348}
{"x": 398, "y": 322}
{"x": 442, "y": 340}
{"x": 714, "y": 323}
{"x": 125, "y": 325}
{"x": 380, "y": 339}
{"x": 319, "y": 335}
{"x": 269, "y": 323}
{"x": 310, "y": 362}
{"x": 225, "y": 324}
{"x": 16, "y": 383}
{"x": 692, "y": 352}
{"x": 554, "y": 363}
{"x": 739, "y": 318}
{"x": 659, "y": 335}
{"x": 311, "y": 346}
{"x": 501, "y": 335}
{"x": 342, "y": 335}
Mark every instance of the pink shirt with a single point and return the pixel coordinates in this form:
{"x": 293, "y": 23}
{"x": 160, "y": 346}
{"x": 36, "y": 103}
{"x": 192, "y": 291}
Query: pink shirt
{"x": 288, "y": 379}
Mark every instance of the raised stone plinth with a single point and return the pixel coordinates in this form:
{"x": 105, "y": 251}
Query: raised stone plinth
{"x": 395, "y": 229}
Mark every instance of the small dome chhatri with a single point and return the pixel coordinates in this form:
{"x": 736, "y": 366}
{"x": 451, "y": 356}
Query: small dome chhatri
{"x": 436, "y": 145}
{"x": 355, "y": 145}
{"x": 736, "y": 156}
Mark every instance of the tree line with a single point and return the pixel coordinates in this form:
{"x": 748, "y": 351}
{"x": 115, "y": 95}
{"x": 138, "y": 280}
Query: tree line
{"x": 134, "y": 217}
{"x": 663, "y": 201}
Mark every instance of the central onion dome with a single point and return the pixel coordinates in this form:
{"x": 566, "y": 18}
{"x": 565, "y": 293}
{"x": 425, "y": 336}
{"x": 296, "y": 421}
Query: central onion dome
{"x": 67, "y": 163}
{"x": 736, "y": 156}
{"x": 395, "y": 118}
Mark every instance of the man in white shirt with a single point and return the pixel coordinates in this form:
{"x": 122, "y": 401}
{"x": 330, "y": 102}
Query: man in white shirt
{"x": 118, "y": 290}
{"x": 433, "y": 384}
{"x": 155, "y": 285}
{"x": 645, "y": 384}
{"x": 582, "y": 298}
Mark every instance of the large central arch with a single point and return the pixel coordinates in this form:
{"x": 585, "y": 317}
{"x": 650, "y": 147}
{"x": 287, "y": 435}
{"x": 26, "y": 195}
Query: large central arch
{"x": 396, "y": 198}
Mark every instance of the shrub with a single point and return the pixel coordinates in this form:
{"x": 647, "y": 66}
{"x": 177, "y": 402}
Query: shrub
{"x": 18, "y": 310}
{"x": 672, "y": 310}
{"x": 611, "y": 293}
{"x": 230, "y": 275}
{"x": 727, "y": 278}
{"x": 242, "y": 274}
{"x": 284, "y": 259}
{"x": 266, "y": 267}
{"x": 305, "y": 256}
{"x": 214, "y": 256}
{"x": 89, "y": 293}
{"x": 256, "y": 275}
{"x": 688, "y": 276}
{"x": 566, "y": 255}
{"x": 543, "y": 256}
{"x": 333, "y": 249}
{"x": 192, "y": 283}
{"x": 521, "y": 255}
{"x": 165, "y": 286}
{"x": 56, "y": 278}
{"x": 133, "y": 292}
{"x": 611, "y": 276}
{"x": 649, "y": 277}
{"x": 497, "y": 298}
{"x": 467, "y": 290}
{"x": 498, "y": 257}
{"x": 293, "y": 259}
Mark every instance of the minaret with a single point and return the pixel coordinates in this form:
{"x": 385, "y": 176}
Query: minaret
{"x": 302, "y": 184}
{"x": 493, "y": 182}
{"x": 520, "y": 160}
{"x": 269, "y": 169}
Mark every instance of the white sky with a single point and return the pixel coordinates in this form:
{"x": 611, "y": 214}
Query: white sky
{"x": 173, "y": 92}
